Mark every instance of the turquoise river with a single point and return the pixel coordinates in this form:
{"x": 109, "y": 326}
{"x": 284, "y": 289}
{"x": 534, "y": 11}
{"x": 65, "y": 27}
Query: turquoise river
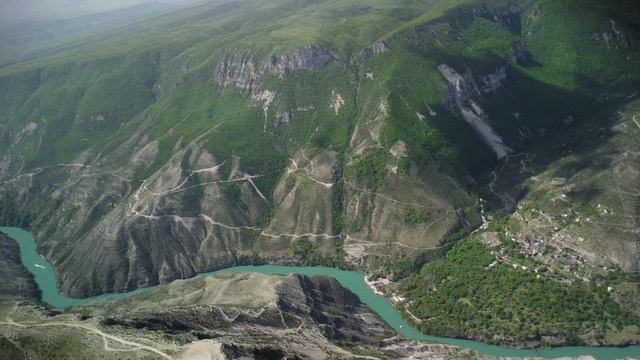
{"x": 352, "y": 280}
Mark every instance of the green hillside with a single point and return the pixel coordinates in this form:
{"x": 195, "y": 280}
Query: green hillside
{"x": 372, "y": 135}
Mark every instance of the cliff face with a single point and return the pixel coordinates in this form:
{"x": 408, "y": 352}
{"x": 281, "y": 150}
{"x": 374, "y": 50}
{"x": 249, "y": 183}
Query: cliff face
{"x": 238, "y": 70}
{"x": 17, "y": 282}
{"x": 311, "y": 57}
{"x": 244, "y": 71}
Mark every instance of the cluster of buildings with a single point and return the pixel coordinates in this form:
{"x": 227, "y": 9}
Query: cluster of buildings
{"x": 570, "y": 257}
{"x": 377, "y": 284}
{"x": 531, "y": 245}
{"x": 377, "y": 287}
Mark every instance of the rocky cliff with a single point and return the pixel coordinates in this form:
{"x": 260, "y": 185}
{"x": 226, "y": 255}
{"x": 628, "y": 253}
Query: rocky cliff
{"x": 17, "y": 282}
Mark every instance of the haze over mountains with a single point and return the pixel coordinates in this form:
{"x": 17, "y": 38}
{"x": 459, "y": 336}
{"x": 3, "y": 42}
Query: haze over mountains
{"x": 30, "y": 27}
{"x": 477, "y": 154}
{"x": 14, "y": 11}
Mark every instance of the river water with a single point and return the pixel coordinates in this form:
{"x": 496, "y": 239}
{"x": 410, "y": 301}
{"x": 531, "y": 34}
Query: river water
{"x": 352, "y": 280}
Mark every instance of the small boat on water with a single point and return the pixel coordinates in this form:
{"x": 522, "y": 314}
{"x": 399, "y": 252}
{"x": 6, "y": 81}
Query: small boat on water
{"x": 39, "y": 266}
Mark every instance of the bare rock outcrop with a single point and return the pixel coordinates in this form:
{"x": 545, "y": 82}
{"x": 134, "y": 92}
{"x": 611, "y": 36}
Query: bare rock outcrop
{"x": 311, "y": 57}
{"x": 244, "y": 71}
{"x": 239, "y": 70}
{"x": 463, "y": 90}
{"x": 379, "y": 47}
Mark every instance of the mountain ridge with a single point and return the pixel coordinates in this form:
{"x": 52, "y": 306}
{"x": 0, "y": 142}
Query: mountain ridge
{"x": 356, "y": 134}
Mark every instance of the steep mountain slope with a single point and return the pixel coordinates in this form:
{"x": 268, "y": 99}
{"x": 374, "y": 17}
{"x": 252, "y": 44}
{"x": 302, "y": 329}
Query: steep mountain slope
{"x": 17, "y": 282}
{"x": 184, "y": 152}
{"x": 232, "y": 316}
{"x": 335, "y": 131}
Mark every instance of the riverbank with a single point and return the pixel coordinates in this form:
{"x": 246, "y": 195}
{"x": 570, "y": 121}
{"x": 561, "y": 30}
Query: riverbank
{"x": 352, "y": 280}
{"x": 461, "y": 294}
